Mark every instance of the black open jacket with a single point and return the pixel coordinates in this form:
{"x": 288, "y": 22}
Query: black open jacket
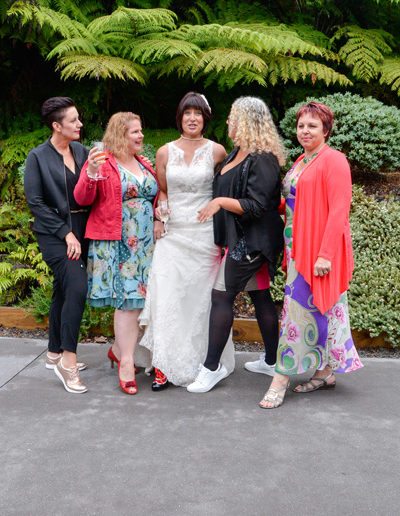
{"x": 46, "y": 187}
{"x": 257, "y": 187}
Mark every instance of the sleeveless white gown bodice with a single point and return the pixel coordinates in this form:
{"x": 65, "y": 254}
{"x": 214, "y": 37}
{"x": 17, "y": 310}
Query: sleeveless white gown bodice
{"x": 184, "y": 267}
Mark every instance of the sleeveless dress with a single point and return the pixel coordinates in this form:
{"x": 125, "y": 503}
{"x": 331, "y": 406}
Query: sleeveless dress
{"x": 309, "y": 339}
{"x": 118, "y": 270}
{"x": 184, "y": 268}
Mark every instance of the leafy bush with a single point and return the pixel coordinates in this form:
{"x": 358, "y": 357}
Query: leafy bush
{"x": 374, "y": 294}
{"x": 13, "y": 152}
{"x": 21, "y": 263}
{"x": 366, "y": 130}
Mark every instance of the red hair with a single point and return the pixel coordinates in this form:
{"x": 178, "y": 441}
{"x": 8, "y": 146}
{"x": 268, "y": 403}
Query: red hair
{"x": 318, "y": 110}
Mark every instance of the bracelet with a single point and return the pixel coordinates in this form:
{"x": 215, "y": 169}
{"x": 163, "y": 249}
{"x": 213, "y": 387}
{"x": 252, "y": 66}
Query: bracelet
{"x": 89, "y": 176}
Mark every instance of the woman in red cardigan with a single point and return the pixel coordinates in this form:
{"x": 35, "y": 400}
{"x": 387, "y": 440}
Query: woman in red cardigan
{"x": 121, "y": 189}
{"x": 315, "y": 328}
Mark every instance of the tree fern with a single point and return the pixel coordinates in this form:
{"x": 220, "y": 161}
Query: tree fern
{"x": 100, "y": 67}
{"x": 58, "y": 22}
{"x": 293, "y": 69}
{"x": 153, "y": 50}
{"x": 390, "y": 73}
{"x": 134, "y": 21}
{"x": 364, "y": 50}
{"x": 222, "y": 61}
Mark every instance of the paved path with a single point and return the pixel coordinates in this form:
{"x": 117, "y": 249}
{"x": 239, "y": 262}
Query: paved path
{"x": 174, "y": 453}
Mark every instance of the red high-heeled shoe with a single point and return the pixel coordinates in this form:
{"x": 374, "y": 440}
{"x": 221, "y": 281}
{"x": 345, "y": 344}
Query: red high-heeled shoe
{"x": 126, "y": 385}
{"x": 112, "y": 357}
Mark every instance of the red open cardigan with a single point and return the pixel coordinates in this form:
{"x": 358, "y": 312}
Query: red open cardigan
{"x": 321, "y": 225}
{"x": 105, "y": 219}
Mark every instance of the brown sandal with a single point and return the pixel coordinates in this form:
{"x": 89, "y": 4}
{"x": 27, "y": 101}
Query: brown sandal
{"x": 309, "y": 386}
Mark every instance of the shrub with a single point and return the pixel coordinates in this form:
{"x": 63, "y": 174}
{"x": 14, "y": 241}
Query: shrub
{"x": 374, "y": 295}
{"x": 366, "y": 130}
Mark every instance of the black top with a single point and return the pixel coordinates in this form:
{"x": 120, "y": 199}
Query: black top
{"x": 222, "y": 187}
{"x": 256, "y": 185}
{"x": 46, "y": 191}
{"x": 72, "y": 179}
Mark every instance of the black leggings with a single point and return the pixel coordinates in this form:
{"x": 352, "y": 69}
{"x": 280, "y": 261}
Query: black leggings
{"x": 221, "y": 320}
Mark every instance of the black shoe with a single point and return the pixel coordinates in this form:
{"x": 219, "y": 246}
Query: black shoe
{"x": 157, "y": 387}
{"x": 160, "y": 382}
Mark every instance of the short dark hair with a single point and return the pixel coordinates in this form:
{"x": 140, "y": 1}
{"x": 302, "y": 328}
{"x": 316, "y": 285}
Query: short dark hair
{"x": 53, "y": 109}
{"x": 318, "y": 110}
{"x": 193, "y": 100}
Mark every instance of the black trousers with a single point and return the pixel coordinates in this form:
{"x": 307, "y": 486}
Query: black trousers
{"x": 69, "y": 294}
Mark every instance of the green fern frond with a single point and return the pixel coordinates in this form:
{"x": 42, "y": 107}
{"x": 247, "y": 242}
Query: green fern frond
{"x": 364, "y": 50}
{"x": 227, "y": 60}
{"x": 181, "y": 66}
{"x": 310, "y": 34}
{"x": 258, "y": 38}
{"x": 390, "y": 73}
{"x": 293, "y": 68}
{"x": 42, "y": 16}
{"x": 155, "y": 50}
{"x": 100, "y": 67}
{"x": 134, "y": 21}
{"x": 80, "y": 45}
{"x": 286, "y": 40}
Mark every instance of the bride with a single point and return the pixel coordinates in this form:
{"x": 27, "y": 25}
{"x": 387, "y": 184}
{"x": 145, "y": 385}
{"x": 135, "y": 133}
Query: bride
{"x": 186, "y": 260}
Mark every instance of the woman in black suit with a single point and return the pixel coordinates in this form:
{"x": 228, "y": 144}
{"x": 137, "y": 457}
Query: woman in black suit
{"x": 247, "y": 225}
{"x": 52, "y": 171}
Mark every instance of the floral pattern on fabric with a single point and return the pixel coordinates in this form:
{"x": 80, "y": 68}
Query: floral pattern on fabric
{"x": 309, "y": 339}
{"x": 118, "y": 270}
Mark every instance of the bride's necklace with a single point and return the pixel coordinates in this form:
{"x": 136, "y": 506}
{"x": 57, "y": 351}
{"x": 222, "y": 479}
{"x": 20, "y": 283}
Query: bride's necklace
{"x": 192, "y": 139}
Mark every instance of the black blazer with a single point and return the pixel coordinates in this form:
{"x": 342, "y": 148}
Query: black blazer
{"x": 257, "y": 187}
{"x": 46, "y": 187}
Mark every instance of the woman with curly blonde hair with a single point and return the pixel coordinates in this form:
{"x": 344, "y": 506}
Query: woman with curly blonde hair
{"x": 248, "y": 227}
{"x": 121, "y": 188}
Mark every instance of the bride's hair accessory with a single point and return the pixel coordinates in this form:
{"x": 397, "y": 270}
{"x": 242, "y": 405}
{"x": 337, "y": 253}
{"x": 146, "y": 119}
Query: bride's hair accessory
{"x": 206, "y": 101}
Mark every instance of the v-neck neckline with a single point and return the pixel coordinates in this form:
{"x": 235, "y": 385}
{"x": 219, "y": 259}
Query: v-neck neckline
{"x": 194, "y": 153}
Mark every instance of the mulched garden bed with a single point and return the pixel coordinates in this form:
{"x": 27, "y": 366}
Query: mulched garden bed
{"x": 239, "y": 346}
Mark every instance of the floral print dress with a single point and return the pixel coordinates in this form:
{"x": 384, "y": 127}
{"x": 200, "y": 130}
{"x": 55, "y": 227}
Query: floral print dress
{"x": 309, "y": 339}
{"x": 118, "y": 270}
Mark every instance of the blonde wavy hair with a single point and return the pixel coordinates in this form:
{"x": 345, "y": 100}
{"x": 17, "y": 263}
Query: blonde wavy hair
{"x": 253, "y": 129}
{"x": 115, "y": 134}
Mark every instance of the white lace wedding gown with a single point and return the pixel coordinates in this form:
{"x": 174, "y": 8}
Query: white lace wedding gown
{"x": 184, "y": 267}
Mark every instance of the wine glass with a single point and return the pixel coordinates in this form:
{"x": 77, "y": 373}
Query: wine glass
{"x": 100, "y": 158}
{"x": 163, "y": 211}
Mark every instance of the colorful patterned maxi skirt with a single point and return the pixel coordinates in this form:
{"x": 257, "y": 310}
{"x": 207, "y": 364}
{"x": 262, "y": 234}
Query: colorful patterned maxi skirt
{"x": 309, "y": 339}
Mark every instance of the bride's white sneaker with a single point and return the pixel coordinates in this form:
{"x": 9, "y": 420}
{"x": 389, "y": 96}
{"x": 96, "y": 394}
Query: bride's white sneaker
{"x": 207, "y": 379}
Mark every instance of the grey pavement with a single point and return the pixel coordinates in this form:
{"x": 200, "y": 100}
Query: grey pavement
{"x": 174, "y": 453}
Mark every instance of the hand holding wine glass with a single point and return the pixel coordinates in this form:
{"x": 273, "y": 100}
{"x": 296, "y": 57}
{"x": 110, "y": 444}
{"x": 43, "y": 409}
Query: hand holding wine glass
{"x": 163, "y": 212}
{"x": 98, "y": 157}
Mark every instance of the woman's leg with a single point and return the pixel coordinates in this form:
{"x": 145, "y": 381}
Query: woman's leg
{"x": 221, "y": 320}
{"x": 74, "y": 287}
{"x": 267, "y": 318}
{"x": 57, "y": 301}
{"x": 126, "y": 330}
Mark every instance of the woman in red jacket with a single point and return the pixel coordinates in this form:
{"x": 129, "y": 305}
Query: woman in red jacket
{"x": 121, "y": 189}
{"x": 315, "y": 328}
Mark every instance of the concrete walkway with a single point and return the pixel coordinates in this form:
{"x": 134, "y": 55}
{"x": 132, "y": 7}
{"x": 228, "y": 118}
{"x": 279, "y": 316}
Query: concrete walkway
{"x": 174, "y": 453}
